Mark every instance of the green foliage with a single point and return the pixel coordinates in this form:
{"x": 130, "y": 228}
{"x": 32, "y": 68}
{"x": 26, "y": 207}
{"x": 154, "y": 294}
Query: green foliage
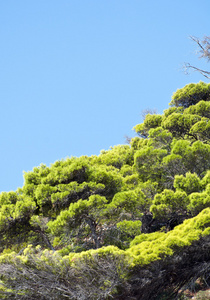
{"x": 41, "y": 274}
{"x": 117, "y": 156}
{"x": 151, "y": 121}
{"x": 109, "y": 177}
{"x": 202, "y": 108}
{"x": 81, "y": 218}
{"x": 199, "y": 201}
{"x": 171, "y": 110}
{"x": 201, "y": 130}
{"x": 146, "y": 238}
{"x": 172, "y": 165}
{"x": 103, "y": 221}
{"x": 131, "y": 228}
{"x": 137, "y": 142}
{"x": 76, "y": 170}
{"x": 160, "y": 138}
{"x": 168, "y": 203}
{"x": 129, "y": 202}
{"x": 146, "y": 250}
{"x": 206, "y": 179}
{"x": 189, "y": 183}
{"x": 180, "y": 124}
{"x": 191, "y": 94}
{"x": 147, "y": 162}
{"x": 195, "y": 157}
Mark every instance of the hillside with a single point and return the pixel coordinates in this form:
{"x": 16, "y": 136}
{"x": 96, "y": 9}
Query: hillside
{"x": 130, "y": 223}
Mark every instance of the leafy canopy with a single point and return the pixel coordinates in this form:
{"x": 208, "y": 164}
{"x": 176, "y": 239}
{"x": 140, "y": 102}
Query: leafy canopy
{"x": 131, "y": 206}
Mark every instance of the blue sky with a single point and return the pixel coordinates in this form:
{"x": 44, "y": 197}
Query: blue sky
{"x": 76, "y": 75}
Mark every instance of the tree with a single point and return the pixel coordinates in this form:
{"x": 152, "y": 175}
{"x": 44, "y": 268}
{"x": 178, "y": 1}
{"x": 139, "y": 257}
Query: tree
{"x": 204, "y": 50}
{"x": 80, "y": 221}
{"x": 118, "y": 225}
{"x": 191, "y": 94}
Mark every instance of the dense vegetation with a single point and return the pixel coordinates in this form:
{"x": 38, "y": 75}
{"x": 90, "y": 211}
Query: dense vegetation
{"x": 130, "y": 223}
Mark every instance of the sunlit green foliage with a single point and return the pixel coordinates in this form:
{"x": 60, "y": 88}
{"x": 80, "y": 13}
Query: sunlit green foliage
{"x": 202, "y": 108}
{"x": 180, "y": 124}
{"x": 191, "y": 94}
{"x": 117, "y": 156}
{"x": 201, "y": 130}
{"x": 131, "y": 228}
{"x": 151, "y": 121}
{"x": 81, "y": 220}
{"x": 148, "y": 249}
{"x": 195, "y": 157}
{"x": 199, "y": 201}
{"x": 189, "y": 183}
{"x": 168, "y": 203}
{"x": 147, "y": 162}
{"x": 130, "y": 206}
{"x": 160, "y": 138}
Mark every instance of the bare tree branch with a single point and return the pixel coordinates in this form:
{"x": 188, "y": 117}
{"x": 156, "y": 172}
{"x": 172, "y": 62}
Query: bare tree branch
{"x": 204, "y": 50}
{"x": 188, "y": 66}
{"x": 196, "y": 40}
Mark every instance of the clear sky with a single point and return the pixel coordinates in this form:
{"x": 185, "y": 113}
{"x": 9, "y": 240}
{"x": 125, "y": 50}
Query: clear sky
{"x": 76, "y": 74}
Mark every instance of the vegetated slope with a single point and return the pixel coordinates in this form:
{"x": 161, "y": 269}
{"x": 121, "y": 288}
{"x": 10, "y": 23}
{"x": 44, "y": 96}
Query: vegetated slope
{"x": 131, "y": 223}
